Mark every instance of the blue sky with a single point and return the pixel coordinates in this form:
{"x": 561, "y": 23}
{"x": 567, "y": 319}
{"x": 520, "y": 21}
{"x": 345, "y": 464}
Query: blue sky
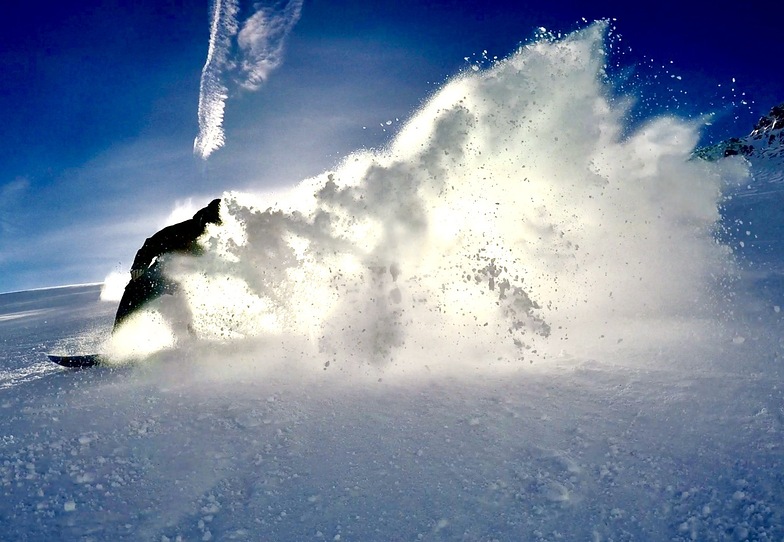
{"x": 99, "y": 104}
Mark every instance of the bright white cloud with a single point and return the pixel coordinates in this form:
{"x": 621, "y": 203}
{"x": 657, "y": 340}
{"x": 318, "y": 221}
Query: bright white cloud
{"x": 260, "y": 43}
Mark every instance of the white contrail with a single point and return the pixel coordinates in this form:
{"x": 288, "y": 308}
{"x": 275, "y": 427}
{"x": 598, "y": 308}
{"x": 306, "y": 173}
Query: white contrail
{"x": 260, "y": 45}
{"x": 213, "y": 93}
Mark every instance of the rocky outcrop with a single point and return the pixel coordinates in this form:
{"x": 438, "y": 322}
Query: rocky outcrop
{"x": 765, "y": 140}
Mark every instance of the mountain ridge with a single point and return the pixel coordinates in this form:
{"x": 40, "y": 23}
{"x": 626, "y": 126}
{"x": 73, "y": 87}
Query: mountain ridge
{"x": 766, "y": 140}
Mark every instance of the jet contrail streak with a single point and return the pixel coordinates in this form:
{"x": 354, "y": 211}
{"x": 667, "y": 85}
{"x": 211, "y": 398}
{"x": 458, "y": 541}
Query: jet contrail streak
{"x": 213, "y": 92}
{"x": 258, "y": 45}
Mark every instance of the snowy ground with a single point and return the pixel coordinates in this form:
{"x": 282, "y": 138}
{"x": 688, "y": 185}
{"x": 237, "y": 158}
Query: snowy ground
{"x": 660, "y": 447}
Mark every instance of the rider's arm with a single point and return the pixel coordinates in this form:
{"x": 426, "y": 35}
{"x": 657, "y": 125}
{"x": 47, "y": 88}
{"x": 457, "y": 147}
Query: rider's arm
{"x": 178, "y": 237}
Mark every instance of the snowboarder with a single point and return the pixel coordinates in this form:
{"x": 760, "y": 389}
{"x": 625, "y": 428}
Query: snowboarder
{"x": 148, "y": 277}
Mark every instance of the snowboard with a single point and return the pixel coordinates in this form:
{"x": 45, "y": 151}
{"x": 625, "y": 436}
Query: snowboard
{"x": 76, "y": 361}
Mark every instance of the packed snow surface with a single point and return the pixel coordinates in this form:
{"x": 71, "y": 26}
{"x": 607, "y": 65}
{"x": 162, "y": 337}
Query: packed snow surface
{"x": 524, "y": 319}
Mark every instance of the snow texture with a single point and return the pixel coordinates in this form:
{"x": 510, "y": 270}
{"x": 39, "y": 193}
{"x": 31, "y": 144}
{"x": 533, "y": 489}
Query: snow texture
{"x": 514, "y": 323}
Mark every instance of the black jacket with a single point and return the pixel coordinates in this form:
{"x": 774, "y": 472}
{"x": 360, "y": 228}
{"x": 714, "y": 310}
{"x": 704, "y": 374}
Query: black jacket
{"x": 179, "y": 238}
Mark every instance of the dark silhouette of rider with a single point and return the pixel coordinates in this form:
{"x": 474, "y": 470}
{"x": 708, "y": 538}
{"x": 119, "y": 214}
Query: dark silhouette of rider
{"x": 148, "y": 278}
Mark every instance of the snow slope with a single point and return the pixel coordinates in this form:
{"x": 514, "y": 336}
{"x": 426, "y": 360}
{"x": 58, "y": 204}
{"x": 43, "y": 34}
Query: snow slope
{"x": 663, "y": 446}
{"x": 503, "y": 327}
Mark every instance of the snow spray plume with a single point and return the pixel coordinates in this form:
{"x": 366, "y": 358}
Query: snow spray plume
{"x": 252, "y": 50}
{"x": 509, "y": 220}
